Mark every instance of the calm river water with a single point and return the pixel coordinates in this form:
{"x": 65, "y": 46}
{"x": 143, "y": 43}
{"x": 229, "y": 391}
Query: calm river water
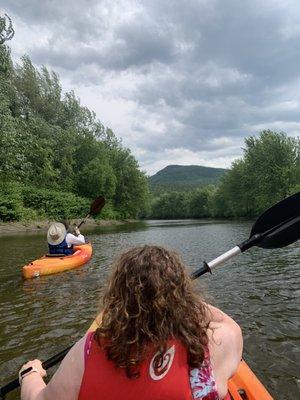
{"x": 260, "y": 289}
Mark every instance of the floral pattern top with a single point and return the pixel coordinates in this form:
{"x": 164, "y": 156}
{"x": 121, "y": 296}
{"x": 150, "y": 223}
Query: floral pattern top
{"x": 203, "y": 384}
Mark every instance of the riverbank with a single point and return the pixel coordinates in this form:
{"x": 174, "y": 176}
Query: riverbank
{"x": 14, "y": 228}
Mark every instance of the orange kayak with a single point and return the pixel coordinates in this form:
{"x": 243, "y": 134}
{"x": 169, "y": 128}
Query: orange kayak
{"x": 244, "y": 385}
{"x": 47, "y": 265}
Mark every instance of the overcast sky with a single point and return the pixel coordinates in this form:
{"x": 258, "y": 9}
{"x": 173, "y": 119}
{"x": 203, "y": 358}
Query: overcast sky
{"x": 181, "y": 82}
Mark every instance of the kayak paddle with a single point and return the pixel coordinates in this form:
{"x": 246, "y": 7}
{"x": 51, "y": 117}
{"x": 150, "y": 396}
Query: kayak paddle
{"x": 46, "y": 365}
{"x": 277, "y": 227}
{"x": 96, "y": 207}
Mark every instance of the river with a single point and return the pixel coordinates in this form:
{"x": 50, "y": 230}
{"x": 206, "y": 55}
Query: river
{"x": 259, "y": 289}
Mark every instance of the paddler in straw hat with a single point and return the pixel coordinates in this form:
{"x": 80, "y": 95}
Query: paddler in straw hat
{"x": 60, "y": 241}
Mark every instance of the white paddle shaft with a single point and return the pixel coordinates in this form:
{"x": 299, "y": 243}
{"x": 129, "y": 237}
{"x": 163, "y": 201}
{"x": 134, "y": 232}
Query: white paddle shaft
{"x": 224, "y": 257}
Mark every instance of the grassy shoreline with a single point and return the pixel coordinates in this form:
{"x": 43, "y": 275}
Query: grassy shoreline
{"x": 21, "y": 227}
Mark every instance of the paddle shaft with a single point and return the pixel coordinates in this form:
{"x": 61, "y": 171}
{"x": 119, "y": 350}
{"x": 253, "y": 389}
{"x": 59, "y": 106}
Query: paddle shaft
{"x": 46, "y": 365}
{"x": 247, "y": 244}
{"x": 83, "y": 221}
{"x": 96, "y": 207}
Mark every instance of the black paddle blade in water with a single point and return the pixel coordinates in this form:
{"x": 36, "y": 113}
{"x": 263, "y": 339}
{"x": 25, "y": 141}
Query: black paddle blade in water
{"x": 279, "y": 226}
{"x": 97, "y": 205}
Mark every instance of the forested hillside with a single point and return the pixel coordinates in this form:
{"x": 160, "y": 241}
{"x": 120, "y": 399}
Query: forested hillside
{"x": 268, "y": 172}
{"x": 184, "y": 177}
{"x": 55, "y": 156}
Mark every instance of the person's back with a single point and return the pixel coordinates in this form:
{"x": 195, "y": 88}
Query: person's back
{"x": 169, "y": 380}
{"x": 157, "y": 339}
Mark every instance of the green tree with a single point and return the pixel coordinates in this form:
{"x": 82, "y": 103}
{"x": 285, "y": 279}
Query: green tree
{"x": 132, "y": 185}
{"x": 199, "y": 203}
{"x": 11, "y": 160}
{"x": 271, "y": 162}
{"x": 97, "y": 178}
{"x": 236, "y": 189}
{"x": 266, "y": 174}
{"x": 170, "y": 206}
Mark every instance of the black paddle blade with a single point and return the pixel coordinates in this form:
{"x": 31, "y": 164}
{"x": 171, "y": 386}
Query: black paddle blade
{"x": 97, "y": 205}
{"x": 279, "y": 226}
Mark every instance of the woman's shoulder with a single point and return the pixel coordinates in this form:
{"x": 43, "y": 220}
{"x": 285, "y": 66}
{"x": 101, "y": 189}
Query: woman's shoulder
{"x": 225, "y": 339}
{"x": 225, "y": 347}
{"x": 222, "y": 329}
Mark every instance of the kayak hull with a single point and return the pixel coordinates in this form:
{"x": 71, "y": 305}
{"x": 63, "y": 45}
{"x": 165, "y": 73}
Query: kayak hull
{"x": 52, "y": 265}
{"x": 245, "y": 385}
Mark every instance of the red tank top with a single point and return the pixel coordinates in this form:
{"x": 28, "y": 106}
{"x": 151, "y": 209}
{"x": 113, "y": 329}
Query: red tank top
{"x": 102, "y": 380}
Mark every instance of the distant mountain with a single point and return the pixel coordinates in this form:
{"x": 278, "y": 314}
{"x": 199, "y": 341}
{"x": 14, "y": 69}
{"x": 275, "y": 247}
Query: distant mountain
{"x": 185, "y": 176}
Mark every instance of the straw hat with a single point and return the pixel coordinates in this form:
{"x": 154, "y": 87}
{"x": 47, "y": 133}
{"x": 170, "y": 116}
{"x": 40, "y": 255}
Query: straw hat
{"x": 56, "y": 233}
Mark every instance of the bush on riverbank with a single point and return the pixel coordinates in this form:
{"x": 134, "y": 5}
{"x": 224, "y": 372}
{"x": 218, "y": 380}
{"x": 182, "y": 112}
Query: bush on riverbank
{"x": 20, "y": 203}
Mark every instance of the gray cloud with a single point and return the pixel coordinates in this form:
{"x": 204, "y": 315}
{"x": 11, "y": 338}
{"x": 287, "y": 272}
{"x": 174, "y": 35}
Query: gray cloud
{"x": 199, "y": 75}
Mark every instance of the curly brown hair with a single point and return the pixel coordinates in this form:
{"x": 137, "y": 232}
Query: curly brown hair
{"x": 149, "y": 300}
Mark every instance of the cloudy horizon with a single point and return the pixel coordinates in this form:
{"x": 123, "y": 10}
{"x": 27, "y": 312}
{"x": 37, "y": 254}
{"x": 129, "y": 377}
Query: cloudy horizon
{"x": 179, "y": 82}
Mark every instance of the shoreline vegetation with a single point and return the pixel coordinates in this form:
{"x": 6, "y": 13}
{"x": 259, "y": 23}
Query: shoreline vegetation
{"x": 41, "y": 226}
